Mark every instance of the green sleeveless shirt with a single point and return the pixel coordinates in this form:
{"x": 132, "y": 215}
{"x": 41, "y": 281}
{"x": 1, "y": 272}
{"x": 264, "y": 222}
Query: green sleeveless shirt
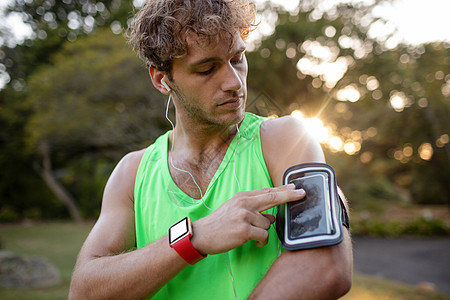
{"x": 159, "y": 203}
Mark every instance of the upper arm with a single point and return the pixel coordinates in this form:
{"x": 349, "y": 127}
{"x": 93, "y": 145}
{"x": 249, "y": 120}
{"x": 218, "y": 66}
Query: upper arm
{"x": 114, "y": 232}
{"x": 286, "y": 142}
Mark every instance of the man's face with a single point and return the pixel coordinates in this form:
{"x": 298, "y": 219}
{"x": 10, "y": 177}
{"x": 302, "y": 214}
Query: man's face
{"x": 210, "y": 82}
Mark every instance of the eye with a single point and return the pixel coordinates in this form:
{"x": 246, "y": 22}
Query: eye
{"x": 238, "y": 59}
{"x": 207, "y": 71}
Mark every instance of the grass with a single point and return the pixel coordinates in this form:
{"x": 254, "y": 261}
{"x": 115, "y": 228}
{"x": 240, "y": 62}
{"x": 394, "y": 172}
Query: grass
{"x": 367, "y": 287}
{"x": 60, "y": 243}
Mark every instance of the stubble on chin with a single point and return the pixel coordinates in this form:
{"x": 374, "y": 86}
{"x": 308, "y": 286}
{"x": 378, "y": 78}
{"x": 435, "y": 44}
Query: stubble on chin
{"x": 213, "y": 115}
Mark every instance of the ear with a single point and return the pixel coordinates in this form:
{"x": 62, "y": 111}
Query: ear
{"x": 157, "y": 76}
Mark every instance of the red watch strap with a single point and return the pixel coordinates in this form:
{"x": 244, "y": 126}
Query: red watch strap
{"x": 187, "y": 251}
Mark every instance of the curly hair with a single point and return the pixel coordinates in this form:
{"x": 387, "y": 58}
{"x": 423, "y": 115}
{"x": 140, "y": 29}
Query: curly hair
{"x": 158, "y": 31}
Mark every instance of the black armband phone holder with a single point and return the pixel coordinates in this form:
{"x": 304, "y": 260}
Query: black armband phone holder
{"x": 317, "y": 219}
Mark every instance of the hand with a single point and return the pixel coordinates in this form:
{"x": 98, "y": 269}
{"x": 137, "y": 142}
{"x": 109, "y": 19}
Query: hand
{"x": 240, "y": 219}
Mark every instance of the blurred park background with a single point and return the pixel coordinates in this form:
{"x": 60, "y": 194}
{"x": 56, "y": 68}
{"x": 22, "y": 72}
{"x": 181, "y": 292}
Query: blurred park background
{"x": 74, "y": 99}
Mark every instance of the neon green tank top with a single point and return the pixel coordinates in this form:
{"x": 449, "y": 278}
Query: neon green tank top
{"x": 159, "y": 203}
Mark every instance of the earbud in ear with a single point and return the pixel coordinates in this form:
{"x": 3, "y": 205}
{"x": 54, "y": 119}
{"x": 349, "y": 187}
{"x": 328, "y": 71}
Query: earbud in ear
{"x": 165, "y": 85}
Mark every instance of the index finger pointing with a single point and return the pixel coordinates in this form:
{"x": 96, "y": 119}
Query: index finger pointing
{"x": 258, "y": 192}
{"x": 270, "y": 198}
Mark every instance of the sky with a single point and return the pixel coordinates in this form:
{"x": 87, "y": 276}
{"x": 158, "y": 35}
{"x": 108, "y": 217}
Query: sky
{"x": 417, "y": 21}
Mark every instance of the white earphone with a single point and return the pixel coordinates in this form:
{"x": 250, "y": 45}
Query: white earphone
{"x": 165, "y": 85}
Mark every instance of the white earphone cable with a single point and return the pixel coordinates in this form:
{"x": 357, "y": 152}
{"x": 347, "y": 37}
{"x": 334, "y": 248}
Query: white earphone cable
{"x": 171, "y": 151}
{"x": 195, "y": 182}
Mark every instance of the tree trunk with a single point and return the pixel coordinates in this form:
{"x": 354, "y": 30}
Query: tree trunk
{"x": 60, "y": 192}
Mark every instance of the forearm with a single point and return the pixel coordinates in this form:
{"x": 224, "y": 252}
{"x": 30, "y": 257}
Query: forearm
{"x": 132, "y": 275}
{"x": 322, "y": 273}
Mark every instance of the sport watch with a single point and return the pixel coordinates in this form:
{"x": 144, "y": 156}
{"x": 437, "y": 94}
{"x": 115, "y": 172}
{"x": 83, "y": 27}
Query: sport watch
{"x": 180, "y": 235}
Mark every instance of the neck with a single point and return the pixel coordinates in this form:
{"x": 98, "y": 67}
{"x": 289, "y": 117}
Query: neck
{"x": 197, "y": 136}
{"x": 196, "y": 151}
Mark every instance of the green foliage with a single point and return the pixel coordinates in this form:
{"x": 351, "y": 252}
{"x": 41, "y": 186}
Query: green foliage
{"x": 415, "y": 227}
{"x": 417, "y": 75}
{"x": 82, "y": 92}
{"x": 86, "y": 178}
{"x": 71, "y": 17}
{"x": 96, "y": 95}
{"x": 53, "y": 23}
{"x": 376, "y": 228}
{"x": 425, "y": 227}
{"x": 22, "y": 192}
{"x": 95, "y": 100}
{"x": 275, "y": 74}
{"x": 364, "y": 190}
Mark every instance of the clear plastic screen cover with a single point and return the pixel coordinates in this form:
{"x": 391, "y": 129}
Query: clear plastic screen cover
{"x": 315, "y": 220}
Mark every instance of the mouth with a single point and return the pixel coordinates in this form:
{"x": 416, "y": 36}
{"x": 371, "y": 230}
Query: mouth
{"x": 232, "y": 103}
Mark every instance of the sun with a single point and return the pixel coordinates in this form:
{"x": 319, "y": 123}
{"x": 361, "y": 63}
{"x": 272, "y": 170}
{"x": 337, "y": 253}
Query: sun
{"x": 348, "y": 141}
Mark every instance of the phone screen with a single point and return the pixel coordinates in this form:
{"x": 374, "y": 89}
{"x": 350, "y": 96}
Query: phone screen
{"x": 311, "y": 215}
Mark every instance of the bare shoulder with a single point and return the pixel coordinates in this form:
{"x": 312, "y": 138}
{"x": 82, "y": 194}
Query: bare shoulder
{"x": 290, "y": 134}
{"x": 123, "y": 177}
{"x": 131, "y": 161}
{"x": 114, "y": 230}
{"x": 286, "y": 141}
{"x": 279, "y": 127}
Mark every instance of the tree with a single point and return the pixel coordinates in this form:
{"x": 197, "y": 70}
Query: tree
{"x": 386, "y": 108}
{"x": 78, "y": 100}
{"x": 53, "y": 24}
{"x": 95, "y": 98}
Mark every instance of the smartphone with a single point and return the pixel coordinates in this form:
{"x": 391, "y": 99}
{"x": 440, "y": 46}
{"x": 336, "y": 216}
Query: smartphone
{"x": 315, "y": 220}
{"x": 311, "y": 215}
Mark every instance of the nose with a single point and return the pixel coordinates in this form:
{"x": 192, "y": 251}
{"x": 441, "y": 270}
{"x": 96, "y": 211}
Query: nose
{"x": 232, "y": 80}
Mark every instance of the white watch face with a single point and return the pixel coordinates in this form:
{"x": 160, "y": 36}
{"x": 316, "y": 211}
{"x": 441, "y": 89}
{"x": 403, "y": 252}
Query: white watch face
{"x": 178, "y": 230}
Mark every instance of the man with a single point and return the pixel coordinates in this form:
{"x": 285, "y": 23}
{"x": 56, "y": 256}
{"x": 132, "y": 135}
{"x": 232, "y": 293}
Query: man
{"x": 221, "y": 167}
